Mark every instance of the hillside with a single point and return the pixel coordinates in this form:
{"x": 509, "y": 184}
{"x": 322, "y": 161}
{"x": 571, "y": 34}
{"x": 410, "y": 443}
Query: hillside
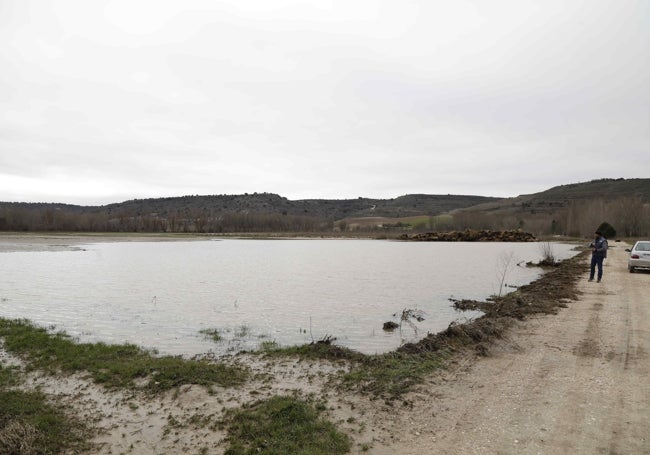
{"x": 268, "y": 203}
{"x": 549, "y": 201}
{"x": 574, "y": 209}
{"x": 220, "y": 213}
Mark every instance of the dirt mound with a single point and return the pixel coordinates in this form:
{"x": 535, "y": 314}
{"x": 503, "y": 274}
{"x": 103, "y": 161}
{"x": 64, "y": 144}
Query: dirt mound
{"x": 470, "y": 235}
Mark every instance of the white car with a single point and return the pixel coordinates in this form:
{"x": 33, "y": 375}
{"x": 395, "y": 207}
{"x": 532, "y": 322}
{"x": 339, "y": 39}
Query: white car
{"x": 639, "y": 255}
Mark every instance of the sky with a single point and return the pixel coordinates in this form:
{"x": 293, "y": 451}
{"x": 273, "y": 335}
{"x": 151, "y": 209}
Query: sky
{"x": 104, "y": 101}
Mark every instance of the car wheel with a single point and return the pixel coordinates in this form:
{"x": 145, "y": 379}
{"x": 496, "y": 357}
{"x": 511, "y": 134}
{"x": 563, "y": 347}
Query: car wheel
{"x": 631, "y": 269}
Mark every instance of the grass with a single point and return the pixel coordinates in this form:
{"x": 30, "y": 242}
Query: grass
{"x": 8, "y": 376}
{"x": 29, "y": 424}
{"x": 269, "y": 345}
{"x": 212, "y": 334}
{"x": 313, "y": 351}
{"x": 392, "y": 374}
{"x": 417, "y": 222}
{"x": 111, "y": 365}
{"x": 388, "y": 375}
{"x": 242, "y": 331}
{"x": 283, "y": 425}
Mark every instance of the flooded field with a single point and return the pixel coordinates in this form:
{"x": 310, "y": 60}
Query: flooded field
{"x": 166, "y": 295}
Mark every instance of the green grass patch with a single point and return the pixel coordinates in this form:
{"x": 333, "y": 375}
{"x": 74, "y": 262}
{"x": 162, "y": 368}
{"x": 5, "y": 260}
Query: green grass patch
{"x": 392, "y": 374}
{"x": 111, "y": 365}
{"x": 313, "y": 351}
{"x": 269, "y": 345}
{"x": 389, "y": 375}
{"x": 8, "y": 376}
{"x": 29, "y": 424}
{"x": 283, "y": 425}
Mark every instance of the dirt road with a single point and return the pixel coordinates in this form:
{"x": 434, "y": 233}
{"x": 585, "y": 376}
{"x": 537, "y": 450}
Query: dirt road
{"x": 573, "y": 383}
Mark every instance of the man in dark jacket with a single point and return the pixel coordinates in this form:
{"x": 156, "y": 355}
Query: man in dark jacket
{"x": 598, "y": 254}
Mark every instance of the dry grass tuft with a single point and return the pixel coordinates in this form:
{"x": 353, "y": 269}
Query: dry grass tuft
{"x": 18, "y": 438}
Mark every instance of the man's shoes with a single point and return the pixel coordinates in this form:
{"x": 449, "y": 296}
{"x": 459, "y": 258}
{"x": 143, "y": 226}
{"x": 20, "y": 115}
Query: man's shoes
{"x": 591, "y": 279}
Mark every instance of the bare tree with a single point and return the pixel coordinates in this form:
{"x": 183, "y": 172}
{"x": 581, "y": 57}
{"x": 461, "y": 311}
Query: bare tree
{"x": 505, "y": 261}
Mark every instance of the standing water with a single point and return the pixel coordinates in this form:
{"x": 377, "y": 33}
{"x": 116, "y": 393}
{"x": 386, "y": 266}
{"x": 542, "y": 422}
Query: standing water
{"x": 162, "y": 295}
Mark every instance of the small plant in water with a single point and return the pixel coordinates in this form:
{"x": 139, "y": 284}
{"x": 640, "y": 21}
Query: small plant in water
{"x": 242, "y": 331}
{"x": 407, "y": 316}
{"x": 269, "y": 345}
{"x": 505, "y": 261}
{"x": 212, "y": 334}
{"x": 548, "y": 257}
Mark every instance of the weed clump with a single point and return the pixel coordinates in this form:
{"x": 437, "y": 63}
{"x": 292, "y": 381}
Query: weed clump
{"x": 282, "y": 425}
{"x": 312, "y": 351}
{"x": 31, "y": 425}
{"x": 212, "y": 334}
{"x": 18, "y": 437}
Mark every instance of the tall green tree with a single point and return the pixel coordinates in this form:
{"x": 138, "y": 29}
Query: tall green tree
{"x": 607, "y": 230}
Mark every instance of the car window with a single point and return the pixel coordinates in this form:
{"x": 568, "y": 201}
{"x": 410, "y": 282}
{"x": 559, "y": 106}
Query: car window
{"x": 643, "y": 247}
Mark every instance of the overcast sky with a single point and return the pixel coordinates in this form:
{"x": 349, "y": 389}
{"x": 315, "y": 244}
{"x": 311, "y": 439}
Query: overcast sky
{"x": 104, "y": 101}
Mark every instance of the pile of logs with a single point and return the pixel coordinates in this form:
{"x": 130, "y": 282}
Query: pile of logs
{"x": 472, "y": 236}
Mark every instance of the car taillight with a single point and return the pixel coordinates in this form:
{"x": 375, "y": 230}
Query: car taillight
{"x": 635, "y": 256}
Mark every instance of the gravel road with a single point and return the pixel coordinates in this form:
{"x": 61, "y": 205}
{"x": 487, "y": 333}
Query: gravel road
{"x": 573, "y": 383}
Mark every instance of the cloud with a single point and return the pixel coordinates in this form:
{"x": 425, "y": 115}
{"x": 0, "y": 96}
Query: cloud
{"x": 319, "y": 99}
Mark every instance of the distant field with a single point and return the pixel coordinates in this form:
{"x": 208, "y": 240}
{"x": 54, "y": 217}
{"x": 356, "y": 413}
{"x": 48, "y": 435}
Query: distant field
{"x": 415, "y": 222}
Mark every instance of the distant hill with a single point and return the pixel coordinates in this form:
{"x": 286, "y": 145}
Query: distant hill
{"x": 571, "y": 209}
{"x": 607, "y": 188}
{"x": 268, "y": 203}
{"x": 222, "y": 213}
{"x": 562, "y": 196}
{"x": 575, "y": 210}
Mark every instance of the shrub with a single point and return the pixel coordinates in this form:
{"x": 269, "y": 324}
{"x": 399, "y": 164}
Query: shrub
{"x": 607, "y": 230}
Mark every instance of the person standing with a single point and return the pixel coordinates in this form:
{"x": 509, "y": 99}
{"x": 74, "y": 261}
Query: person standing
{"x": 598, "y": 254}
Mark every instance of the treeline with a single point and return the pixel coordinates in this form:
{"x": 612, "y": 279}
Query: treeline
{"x": 24, "y": 217}
{"x": 630, "y": 216}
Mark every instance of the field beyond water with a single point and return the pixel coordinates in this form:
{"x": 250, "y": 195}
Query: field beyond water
{"x": 122, "y": 399}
